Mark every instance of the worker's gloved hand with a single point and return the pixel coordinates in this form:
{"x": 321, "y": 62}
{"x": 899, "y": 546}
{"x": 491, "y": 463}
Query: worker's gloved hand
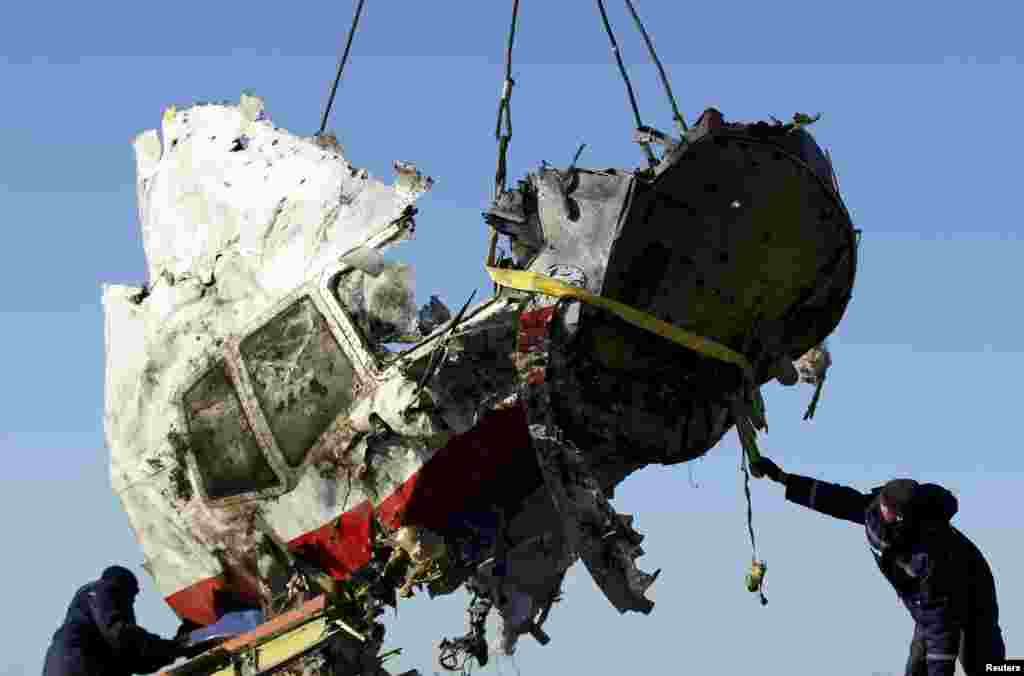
{"x": 766, "y": 467}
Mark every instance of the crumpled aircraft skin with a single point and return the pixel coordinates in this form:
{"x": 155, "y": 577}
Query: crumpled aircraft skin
{"x": 265, "y": 433}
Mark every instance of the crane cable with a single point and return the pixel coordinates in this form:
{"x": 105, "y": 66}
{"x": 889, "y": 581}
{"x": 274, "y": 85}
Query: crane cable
{"x": 505, "y": 103}
{"x": 504, "y": 116}
{"x": 505, "y": 107}
{"x": 741, "y": 412}
{"x": 676, "y": 116}
{"x": 341, "y": 66}
{"x": 651, "y": 159}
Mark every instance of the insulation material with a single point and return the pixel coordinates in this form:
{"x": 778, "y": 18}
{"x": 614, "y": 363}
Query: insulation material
{"x": 390, "y": 303}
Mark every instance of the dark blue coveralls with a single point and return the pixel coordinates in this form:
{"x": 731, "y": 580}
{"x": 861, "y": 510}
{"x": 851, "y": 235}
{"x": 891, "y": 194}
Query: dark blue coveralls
{"x": 99, "y": 636}
{"x": 941, "y": 576}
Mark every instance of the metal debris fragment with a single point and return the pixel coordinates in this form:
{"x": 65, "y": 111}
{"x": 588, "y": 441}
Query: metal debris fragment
{"x": 813, "y": 368}
{"x": 433, "y": 315}
{"x": 813, "y": 365}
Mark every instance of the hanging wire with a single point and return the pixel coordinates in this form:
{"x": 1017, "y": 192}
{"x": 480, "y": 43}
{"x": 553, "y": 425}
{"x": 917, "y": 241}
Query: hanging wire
{"x": 504, "y": 116}
{"x": 576, "y": 157}
{"x": 693, "y": 481}
{"x": 755, "y": 579}
{"x": 505, "y": 107}
{"x": 750, "y": 506}
{"x": 680, "y": 122}
{"x": 625, "y": 78}
{"x": 341, "y": 66}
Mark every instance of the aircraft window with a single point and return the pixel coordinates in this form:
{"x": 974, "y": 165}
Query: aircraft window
{"x": 381, "y": 308}
{"x": 300, "y": 375}
{"x": 229, "y": 458}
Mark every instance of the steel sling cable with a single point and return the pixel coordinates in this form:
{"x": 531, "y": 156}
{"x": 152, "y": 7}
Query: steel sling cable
{"x": 680, "y": 122}
{"x": 651, "y": 159}
{"x": 341, "y": 66}
{"x": 504, "y": 116}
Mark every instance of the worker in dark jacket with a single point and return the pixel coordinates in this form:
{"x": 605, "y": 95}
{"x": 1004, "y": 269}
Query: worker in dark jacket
{"x": 941, "y": 577}
{"x": 99, "y": 636}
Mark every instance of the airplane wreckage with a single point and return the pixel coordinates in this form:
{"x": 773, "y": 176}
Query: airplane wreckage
{"x": 297, "y": 446}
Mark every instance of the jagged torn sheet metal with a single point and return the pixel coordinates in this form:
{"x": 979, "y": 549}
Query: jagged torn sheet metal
{"x": 235, "y": 215}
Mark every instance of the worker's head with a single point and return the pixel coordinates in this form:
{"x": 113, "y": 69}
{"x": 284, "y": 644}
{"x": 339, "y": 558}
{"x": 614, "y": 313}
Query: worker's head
{"x": 890, "y": 518}
{"x": 122, "y": 578}
{"x": 896, "y": 499}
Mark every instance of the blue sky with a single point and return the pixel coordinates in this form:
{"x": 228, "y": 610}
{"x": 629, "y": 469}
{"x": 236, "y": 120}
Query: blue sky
{"x": 921, "y": 107}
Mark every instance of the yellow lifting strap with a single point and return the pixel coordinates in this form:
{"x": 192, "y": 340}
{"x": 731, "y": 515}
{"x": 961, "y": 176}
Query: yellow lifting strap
{"x": 524, "y": 280}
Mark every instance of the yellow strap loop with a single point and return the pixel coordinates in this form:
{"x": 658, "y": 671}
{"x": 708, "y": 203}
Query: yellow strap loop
{"x": 524, "y": 280}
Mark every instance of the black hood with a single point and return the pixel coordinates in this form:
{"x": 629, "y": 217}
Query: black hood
{"x": 899, "y": 495}
{"x": 919, "y": 503}
{"x": 121, "y": 577}
{"x": 934, "y": 503}
{"x": 922, "y": 506}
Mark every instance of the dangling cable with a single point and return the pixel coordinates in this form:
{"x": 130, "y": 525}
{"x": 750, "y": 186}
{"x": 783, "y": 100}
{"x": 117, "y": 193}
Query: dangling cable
{"x": 758, "y": 569}
{"x": 750, "y": 507}
{"x": 341, "y": 66}
{"x": 680, "y": 122}
{"x": 504, "y": 116}
{"x": 742, "y": 412}
{"x": 651, "y": 159}
{"x": 505, "y": 107}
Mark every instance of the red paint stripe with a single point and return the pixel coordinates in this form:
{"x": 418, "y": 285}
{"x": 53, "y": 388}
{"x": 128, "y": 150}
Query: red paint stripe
{"x": 197, "y": 603}
{"x": 342, "y": 546}
{"x": 533, "y": 328}
{"x": 492, "y": 461}
{"x": 536, "y": 318}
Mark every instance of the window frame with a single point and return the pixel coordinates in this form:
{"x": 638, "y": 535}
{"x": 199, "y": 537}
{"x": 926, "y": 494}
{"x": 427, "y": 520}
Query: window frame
{"x": 368, "y": 371}
{"x": 342, "y": 332}
{"x": 375, "y": 370}
{"x": 211, "y": 361}
{"x": 339, "y": 320}
{"x": 374, "y": 367}
{"x": 349, "y": 341}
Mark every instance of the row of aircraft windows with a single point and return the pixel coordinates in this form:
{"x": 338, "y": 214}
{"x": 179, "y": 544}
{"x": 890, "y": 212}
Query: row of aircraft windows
{"x": 302, "y": 380}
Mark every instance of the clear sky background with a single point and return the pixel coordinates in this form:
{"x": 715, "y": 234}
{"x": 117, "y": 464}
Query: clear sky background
{"x": 922, "y": 108}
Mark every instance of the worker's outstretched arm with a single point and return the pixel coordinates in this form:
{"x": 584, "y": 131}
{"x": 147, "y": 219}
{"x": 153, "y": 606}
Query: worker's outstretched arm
{"x": 138, "y": 650}
{"x": 841, "y": 502}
